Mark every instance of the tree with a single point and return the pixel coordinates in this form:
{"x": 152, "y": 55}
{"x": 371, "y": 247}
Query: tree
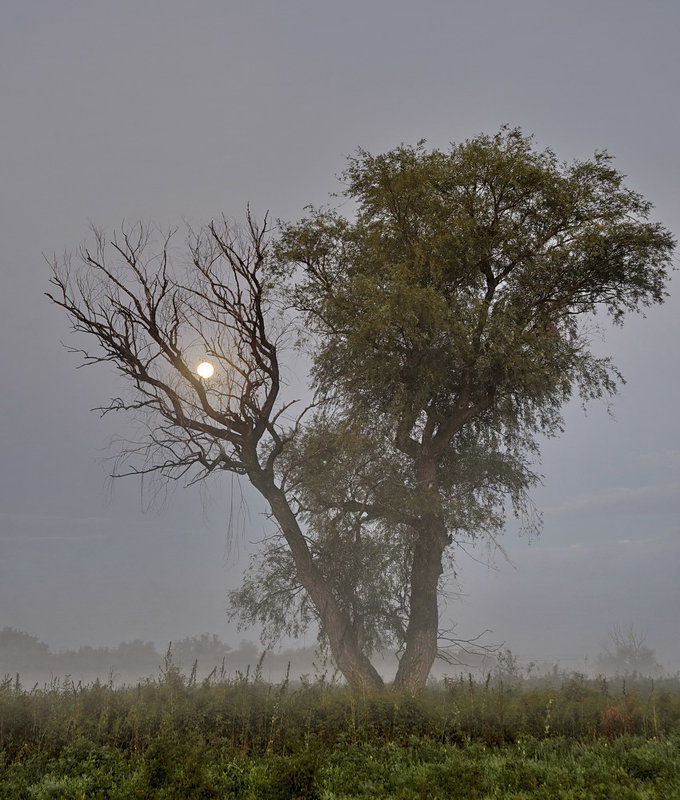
{"x": 627, "y": 653}
{"x": 20, "y": 650}
{"x": 447, "y": 323}
{"x": 154, "y": 320}
{"x": 207, "y": 649}
{"x": 454, "y": 318}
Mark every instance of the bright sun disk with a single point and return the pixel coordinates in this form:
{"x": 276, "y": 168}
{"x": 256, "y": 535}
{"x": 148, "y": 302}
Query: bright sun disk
{"x": 205, "y": 369}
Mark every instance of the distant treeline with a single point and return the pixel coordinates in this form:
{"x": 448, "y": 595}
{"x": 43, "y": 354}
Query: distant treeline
{"x": 132, "y": 661}
{"x": 207, "y": 655}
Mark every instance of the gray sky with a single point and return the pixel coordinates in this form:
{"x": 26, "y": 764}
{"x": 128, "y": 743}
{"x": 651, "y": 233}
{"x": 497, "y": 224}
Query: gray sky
{"x": 166, "y": 110}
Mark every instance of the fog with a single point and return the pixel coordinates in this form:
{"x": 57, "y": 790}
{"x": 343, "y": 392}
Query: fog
{"x": 206, "y": 657}
{"x": 167, "y": 112}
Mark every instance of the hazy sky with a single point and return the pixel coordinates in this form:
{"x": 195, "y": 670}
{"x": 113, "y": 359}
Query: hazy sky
{"x": 166, "y": 110}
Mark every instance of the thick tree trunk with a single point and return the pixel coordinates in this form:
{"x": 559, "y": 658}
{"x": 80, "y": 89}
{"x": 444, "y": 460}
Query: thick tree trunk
{"x": 423, "y": 626}
{"x": 354, "y": 664}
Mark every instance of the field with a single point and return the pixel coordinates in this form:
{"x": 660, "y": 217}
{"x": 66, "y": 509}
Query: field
{"x": 559, "y": 738}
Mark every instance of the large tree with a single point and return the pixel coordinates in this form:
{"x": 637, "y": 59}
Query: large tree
{"x": 453, "y": 316}
{"x": 449, "y": 319}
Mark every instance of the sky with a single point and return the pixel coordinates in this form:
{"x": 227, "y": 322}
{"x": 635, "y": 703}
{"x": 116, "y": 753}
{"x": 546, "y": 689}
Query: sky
{"x": 167, "y": 111}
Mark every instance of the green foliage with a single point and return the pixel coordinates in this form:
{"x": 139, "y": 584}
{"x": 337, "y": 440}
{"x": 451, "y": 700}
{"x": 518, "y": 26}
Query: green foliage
{"x": 451, "y": 318}
{"x": 467, "y": 268}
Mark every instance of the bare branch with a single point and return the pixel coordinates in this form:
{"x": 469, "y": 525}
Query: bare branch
{"x": 151, "y": 318}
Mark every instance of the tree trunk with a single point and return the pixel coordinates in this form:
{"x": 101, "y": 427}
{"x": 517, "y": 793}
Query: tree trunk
{"x": 422, "y": 632}
{"x": 354, "y": 664}
{"x": 423, "y": 625}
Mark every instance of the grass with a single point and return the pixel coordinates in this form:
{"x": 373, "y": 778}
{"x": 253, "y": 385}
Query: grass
{"x": 570, "y": 738}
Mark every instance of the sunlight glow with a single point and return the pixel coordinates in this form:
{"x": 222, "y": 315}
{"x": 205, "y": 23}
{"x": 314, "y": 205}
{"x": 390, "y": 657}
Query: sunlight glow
{"x": 205, "y": 369}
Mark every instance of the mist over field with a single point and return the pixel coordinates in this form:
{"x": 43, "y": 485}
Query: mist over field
{"x": 167, "y": 112}
{"x": 625, "y": 654}
{"x": 346, "y": 279}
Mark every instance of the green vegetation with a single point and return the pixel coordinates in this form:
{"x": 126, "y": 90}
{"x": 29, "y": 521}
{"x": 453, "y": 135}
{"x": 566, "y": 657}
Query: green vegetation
{"x": 565, "y": 737}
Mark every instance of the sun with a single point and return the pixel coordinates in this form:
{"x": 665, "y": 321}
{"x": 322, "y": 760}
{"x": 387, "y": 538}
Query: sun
{"x": 205, "y": 369}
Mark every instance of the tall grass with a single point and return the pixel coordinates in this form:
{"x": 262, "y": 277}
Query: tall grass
{"x": 256, "y": 717}
{"x": 176, "y": 736}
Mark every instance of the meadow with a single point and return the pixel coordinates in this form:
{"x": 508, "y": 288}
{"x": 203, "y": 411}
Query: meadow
{"x": 558, "y": 737}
